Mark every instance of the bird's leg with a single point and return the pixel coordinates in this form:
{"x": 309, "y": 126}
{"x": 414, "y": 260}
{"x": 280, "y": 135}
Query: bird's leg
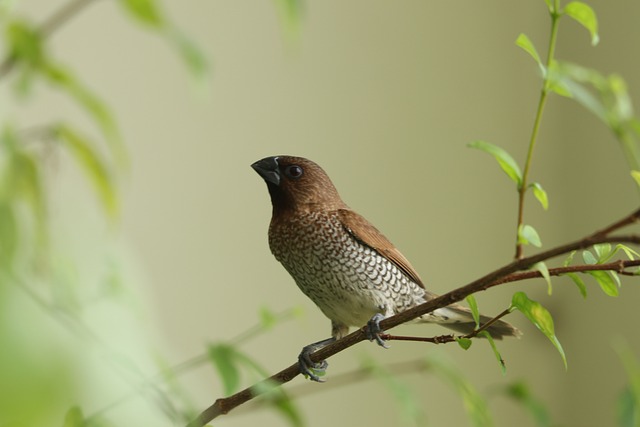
{"x": 307, "y": 366}
{"x": 373, "y": 330}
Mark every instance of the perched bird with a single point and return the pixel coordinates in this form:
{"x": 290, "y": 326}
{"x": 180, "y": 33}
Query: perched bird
{"x": 350, "y": 270}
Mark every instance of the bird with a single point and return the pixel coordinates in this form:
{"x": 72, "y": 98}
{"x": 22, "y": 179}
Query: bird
{"x": 338, "y": 259}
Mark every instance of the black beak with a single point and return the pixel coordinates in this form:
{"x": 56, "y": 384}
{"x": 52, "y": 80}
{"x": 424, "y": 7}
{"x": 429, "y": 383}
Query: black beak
{"x": 267, "y": 168}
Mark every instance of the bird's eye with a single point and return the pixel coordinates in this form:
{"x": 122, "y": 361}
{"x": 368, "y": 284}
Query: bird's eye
{"x": 293, "y": 171}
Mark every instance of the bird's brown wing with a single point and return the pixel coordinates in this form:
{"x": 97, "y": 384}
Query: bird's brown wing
{"x": 363, "y": 231}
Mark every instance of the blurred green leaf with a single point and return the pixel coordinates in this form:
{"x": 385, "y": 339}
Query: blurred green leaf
{"x": 474, "y": 404}
{"x": 579, "y": 283}
{"x": 496, "y": 352}
{"x": 407, "y": 400}
{"x": 473, "y": 306}
{"x": 628, "y": 403}
{"x": 192, "y": 56}
{"x": 225, "y": 361}
{"x": 268, "y": 318}
{"x": 504, "y": 159}
{"x": 541, "y": 195}
{"x": 290, "y": 12}
{"x": 567, "y": 262}
{"x": 8, "y": 235}
{"x": 606, "y": 282}
{"x": 585, "y": 16}
{"x": 630, "y": 253}
{"x": 145, "y": 12}
{"x": 90, "y": 162}
{"x": 74, "y": 418}
{"x": 528, "y": 235}
{"x": 520, "y": 392}
{"x": 279, "y": 400}
{"x": 464, "y": 343}
{"x": 604, "y": 252}
{"x": 94, "y": 106}
{"x": 589, "y": 258}
{"x": 539, "y": 316}
{"x": 636, "y": 177}
{"x": 24, "y": 43}
{"x": 542, "y": 268}
{"x": 527, "y": 45}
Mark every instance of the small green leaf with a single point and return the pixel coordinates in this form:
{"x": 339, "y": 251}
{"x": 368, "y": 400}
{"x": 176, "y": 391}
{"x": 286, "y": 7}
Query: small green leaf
{"x": 192, "y": 56}
{"x": 579, "y": 283}
{"x": 607, "y": 284}
{"x": 145, "y": 12}
{"x": 92, "y": 165}
{"x": 473, "y": 306}
{"x": 585, "y": 16}
{"x": 628, "y": 408}
{"x": 542, "y": 268}
{"x": 603, "y": 251}
{"x": 636, "y": 177}
{"x": 630, "y": 253}
{"x": 567, "y": 262}
{"x": 520, "y": 392}
{"x": 540, "y": 317}
{"x": 275, "y": 395}
{"x": 525, "y": 43}
{"x": 496, "y": 353}
{"x": 25, "y": 43}
{"x": 541, "y": 195}
{"x": 267, "y": 318}
{"x": 504, "y": 159}
{"x": 474, "y": 404}
{"x": 223, "y": 357}
{"x": 464, "y": 343}
{"x": 528, "y": 235}
{"x": 74, "y": 418}
{"x": 589, "y": 258}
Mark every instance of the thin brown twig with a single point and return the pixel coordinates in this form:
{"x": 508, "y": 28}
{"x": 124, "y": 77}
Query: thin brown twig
{"x": 47, "y": 28}
{"x": 225, "y": 405}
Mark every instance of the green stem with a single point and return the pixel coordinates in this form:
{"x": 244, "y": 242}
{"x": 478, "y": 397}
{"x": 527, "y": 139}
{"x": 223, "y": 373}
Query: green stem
{"x": 522, "y": 190}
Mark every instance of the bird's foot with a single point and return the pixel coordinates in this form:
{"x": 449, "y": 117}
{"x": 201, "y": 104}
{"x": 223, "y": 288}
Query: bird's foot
{"x": 373, "y": 330}
{"x": 310, "y": 369}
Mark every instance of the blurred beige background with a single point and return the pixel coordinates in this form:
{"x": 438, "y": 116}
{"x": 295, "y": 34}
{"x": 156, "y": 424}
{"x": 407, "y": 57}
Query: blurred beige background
{"x": 385, "y": 96}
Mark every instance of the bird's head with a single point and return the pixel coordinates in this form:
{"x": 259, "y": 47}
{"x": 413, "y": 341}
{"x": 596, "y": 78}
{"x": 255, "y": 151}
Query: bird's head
{"x": 297, "y": 184}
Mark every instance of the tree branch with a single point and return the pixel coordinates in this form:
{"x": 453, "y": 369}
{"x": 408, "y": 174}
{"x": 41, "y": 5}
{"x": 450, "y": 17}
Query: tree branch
{"x": 47, "y": 28}
{"x": 502, "y": 275}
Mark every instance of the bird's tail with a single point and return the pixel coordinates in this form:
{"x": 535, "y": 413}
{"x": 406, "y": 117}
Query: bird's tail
{"x": 460, "y": 319}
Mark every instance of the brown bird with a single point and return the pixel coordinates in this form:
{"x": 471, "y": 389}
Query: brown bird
{"x": 350, "y": 270}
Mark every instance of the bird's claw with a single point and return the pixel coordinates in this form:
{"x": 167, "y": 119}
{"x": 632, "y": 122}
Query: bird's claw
{"x": 373, "y": 330}
{"x": 310, "y": 369}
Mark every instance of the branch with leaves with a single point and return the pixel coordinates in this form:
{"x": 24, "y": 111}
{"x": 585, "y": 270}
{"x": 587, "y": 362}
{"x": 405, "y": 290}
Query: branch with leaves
{"x": 506, "y": 274}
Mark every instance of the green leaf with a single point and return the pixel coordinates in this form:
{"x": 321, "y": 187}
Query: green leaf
{"x": 464, "y": 343}
{"x": 520, "y": 392}
{"x": 9, "y": 233}
{"x": 74, "y": 418}
{"x": 525, "y": 43}
{"x": 604, "y": 252}
{"x": 542, "y": 268}
{"x": 473, "y": 306}
{"x": 25, "y": 43}
{"x": 474, "y": 404}
{"x": 528, "y": 235}
{"x": 504, "y": 159}
{"x": 267, "y": 318}
{"x": 410, "y": 407}
{"x": 630, "y": 253}
{"x": 145, "y": 12}
{"x": 540, "y": 317}
{"x": 585, "y": 16}
{"x": 92, "y": 165}
{"x": 541, "y": 195}
{"x": 607, "y": 284}
{"x": 567, "y": 262}
{"x": 192, "y": 56}
{"x": 636, "y": 177}
{"x": 589, "y": 258}
{"x": 275, "y": 395}
{"x": 223, "y": 357}
{"x": 94, "y": 106}
{"x": 496, "y": 353}
{"x": 628, "y": 408}
{"x": 579, "y": 283}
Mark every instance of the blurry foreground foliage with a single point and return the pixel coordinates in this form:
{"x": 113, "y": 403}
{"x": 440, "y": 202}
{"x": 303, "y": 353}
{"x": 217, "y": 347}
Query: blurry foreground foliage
{"x": 63, "y": 311}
